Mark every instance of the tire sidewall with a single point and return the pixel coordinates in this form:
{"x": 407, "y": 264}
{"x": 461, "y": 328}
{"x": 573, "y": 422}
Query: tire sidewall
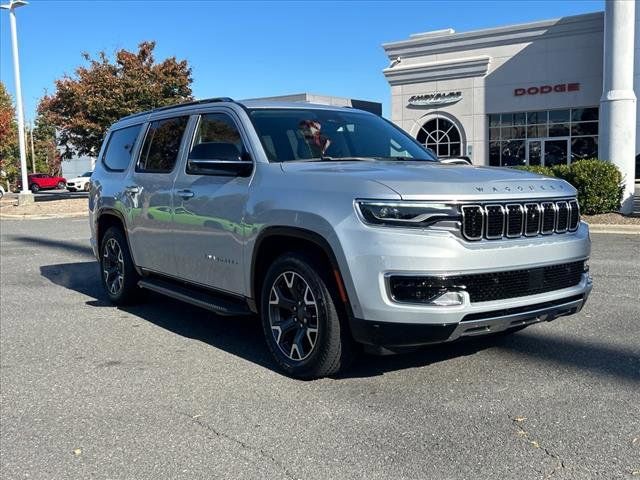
{"x": 130, "y": 283}
{"x": 324, "y": 304}
{"x": 34, "y": 188}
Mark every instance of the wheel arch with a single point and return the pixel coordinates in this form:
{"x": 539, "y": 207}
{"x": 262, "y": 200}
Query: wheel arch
{"x": 274, "y": 241}
{"x": 109, "y": 217}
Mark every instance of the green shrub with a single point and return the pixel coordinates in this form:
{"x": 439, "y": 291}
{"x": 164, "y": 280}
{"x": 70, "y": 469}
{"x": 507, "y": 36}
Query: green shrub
{"x": 599, "y": 183}
{"x": 539, "y": 169}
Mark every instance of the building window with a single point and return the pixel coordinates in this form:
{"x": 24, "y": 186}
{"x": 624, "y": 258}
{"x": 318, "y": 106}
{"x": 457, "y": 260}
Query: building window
{"x": 441, "y": 136}
{"x": 547, "y": 137}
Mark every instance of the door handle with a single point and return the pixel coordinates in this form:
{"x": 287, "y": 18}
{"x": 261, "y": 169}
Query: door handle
{"x": 132, "y": 189}
{"x": 185, "y": 194}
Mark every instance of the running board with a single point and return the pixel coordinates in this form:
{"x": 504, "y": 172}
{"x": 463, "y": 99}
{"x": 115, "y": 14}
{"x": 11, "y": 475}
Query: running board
{"x": 195, "y": 296}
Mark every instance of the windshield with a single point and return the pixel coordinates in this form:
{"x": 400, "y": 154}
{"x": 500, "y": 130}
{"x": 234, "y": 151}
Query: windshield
{"x": 314, "y": 134}
{"x": 86, "y": 174}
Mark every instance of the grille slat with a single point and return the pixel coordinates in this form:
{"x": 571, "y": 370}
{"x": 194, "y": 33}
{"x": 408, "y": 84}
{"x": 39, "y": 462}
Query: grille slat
{"x": 485, "y": 287}
{"x": 562, "y": 221}
{"x": 494, "y": 221}
{"x": 513, "y": 220}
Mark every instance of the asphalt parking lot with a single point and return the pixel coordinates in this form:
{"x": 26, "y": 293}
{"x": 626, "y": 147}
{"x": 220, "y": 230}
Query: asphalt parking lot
{"x": 165, "y": 390}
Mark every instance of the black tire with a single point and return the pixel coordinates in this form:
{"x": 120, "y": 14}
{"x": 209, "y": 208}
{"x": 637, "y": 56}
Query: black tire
{"x": 34, "y": 188}
{"x": 116, "y": 261}
{"x": 320, "y": 309}
{"x": 62, "y": 185}
{"x": 87, "y": 186}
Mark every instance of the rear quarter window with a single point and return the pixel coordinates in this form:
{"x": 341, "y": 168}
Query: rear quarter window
{"x": 117, "y": 155}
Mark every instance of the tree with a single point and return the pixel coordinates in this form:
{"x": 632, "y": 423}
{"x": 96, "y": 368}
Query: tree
{"x": 85, "y": 105}
{"x": 9, "y": 152}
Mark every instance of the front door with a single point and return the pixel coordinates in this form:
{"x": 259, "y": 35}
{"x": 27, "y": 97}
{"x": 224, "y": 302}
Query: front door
{"x": 548, "y": 151}
{"x": 149, "y": 191}
{"x": 534, "y": 152}
{"x": 209, "y": 205}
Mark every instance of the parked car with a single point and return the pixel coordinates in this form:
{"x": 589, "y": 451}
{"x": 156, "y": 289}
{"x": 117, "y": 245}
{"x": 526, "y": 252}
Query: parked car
{"x": 80, "y": 183}
{"x": 333, "y": 225}
{"x": 44, "y": 181}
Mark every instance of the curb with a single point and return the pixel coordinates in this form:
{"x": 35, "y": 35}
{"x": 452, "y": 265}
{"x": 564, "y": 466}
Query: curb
{"x": 613, "y": 228}
{"x": 26, "y": 216}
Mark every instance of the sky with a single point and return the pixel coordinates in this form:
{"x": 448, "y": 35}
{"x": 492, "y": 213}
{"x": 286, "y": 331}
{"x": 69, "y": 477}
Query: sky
{"x": 248, "y": 49}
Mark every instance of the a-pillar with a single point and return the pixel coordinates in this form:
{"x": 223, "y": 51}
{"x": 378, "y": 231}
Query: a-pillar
{"x": 617, "y": 142}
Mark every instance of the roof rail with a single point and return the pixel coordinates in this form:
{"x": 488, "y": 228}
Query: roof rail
{"x": 183, "y": 104}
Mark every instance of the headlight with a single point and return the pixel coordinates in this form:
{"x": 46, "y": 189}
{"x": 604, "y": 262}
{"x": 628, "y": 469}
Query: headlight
{"x": 403, "y": 214}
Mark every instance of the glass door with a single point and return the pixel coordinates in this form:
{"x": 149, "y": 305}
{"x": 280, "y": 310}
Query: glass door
{"x": 534, "y": 152}
{"x": 556, "y": 152}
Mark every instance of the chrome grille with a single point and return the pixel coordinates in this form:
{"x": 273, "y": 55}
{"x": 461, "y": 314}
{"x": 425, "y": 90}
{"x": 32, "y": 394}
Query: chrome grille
{"x": 513, "y": 220}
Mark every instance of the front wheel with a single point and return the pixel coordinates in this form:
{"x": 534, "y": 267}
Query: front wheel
{"x": 86, "y": 186}
{"x": 119, "y": 276}
{"x": 62, "y": 185}
{"x": 301, "y": 321}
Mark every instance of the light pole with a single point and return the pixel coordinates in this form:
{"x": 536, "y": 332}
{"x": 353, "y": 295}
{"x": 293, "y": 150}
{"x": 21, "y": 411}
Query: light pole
{"x": 33, "y": 152}
{"x": 25, "y": 195}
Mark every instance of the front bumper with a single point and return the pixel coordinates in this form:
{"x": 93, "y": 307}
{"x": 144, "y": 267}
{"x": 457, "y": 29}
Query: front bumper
{"x": 492, "y": 320}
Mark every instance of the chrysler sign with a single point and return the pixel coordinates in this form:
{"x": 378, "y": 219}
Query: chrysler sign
{"x": 543, "y": 89}
{"x": 436, "y": 98}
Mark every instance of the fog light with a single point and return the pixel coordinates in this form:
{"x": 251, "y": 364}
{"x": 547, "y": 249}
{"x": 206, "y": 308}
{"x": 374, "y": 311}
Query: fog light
{"x": 448, "y": 299}
{"x": 585, "y": 267}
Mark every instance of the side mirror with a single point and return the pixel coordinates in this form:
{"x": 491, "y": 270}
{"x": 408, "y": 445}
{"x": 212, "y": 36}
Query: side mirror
{"x": 240, "y": 167}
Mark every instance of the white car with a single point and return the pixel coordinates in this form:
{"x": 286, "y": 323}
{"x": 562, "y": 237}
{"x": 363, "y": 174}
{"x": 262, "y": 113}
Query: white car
{"x": 80, "y": 183}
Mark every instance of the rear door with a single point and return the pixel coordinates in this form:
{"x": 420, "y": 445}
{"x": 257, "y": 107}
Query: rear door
{"x": 149, "y": 188}
{"x": 209, "y": 200}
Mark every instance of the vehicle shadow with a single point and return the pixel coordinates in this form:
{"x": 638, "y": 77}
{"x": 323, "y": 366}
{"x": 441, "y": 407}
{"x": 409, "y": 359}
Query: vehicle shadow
{"x": 242, "y": 336}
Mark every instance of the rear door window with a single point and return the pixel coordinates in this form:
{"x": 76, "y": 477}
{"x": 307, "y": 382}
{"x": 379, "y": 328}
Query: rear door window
{"x": 117, "y": 155}
{"x": 162, "y": 145}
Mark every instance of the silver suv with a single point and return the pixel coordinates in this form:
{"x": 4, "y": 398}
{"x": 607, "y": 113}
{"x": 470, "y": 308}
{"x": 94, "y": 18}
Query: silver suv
{"x": 333, "y": 225}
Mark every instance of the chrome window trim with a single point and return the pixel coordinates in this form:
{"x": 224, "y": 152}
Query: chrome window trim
{"x": 502, "y": 212}
{"x": 519, "y": 205}
{"x": 482, "y": 215}
{"x": 526, "y": 220}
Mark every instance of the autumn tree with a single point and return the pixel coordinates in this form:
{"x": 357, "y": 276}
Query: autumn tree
{"x": 86, "y": 104}
{"x": 9, "y": 152}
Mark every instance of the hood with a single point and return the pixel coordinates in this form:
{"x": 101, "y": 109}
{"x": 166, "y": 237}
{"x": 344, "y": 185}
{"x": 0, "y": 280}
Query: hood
{"x": 79, "y": 179}
{"x": 431, "y": 180}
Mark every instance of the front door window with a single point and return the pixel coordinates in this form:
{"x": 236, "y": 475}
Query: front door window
{"x": 556, "y": 152}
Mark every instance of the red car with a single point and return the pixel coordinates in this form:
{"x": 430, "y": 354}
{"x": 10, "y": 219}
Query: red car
{"x": 44, "y": 181}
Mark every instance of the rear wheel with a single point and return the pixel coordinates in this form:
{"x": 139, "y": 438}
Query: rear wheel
{"x": 119, "y": 276}
{"x": 300, "y": 317}
{"x": 35, "y": 188}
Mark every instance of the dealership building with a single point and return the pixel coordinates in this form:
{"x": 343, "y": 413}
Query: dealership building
{"x": 542, "y": 93}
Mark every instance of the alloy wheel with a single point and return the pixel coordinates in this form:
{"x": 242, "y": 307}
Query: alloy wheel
{"x": 113, "y": 266}
{"x": 293, "y": 315}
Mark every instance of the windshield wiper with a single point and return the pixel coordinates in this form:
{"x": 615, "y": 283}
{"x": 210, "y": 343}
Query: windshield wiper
{"x": 325, "y": 158}
{"x": 407, "y": 159}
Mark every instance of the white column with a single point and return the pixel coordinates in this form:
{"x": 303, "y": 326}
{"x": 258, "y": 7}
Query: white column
{"x": 16, "y": 73}
{"x": 617, "y": 142}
